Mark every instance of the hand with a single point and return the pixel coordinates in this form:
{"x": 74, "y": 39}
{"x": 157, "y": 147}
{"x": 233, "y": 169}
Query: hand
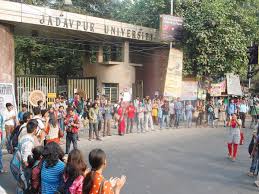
{"x": 113, "y": 181}
{"x": 120, "y": 183}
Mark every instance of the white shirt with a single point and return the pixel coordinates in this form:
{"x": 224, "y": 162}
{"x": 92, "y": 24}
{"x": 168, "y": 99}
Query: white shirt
{"x": 171, "y": 108}
{"x": 7, "y": 115}
{"x": 27, "y": 144}
{"x": 23, "y": 132}
{"x": 41, "y": 126}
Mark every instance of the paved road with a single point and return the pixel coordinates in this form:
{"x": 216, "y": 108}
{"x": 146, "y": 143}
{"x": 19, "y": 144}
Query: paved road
{"x": 181, "y": 161}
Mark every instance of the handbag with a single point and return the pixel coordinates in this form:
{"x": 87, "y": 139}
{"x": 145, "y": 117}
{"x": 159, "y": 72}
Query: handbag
{"x": 196, "y": 114}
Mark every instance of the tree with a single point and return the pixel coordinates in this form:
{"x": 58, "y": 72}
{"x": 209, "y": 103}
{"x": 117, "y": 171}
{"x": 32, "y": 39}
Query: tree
{"x": 217, "y": 34}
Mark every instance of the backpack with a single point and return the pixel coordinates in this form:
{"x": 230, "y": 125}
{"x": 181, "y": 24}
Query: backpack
{"x": 64, "y": 187}
{"x": 15, "y": 136}
{"x": 17, "y": 168}
{"x": 251, "y": 146}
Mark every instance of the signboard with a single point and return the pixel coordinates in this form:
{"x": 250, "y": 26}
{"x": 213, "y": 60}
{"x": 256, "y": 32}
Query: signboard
{"x": 189, "y": 90}
{"x": 7, "y": 96}
{"x": 43, "y": 16}
{"x": 173, "y": 81}
{"x": 171, "y": 28}
{"x": 52, "y": 95}
{"x": 215, "y": 90}
{"x": 233, "y": 85}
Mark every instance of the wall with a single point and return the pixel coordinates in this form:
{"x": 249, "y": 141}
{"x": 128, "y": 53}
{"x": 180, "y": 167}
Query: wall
{"x": 7, "y": 69}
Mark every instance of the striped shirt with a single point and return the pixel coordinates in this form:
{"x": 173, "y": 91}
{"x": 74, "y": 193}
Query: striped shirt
{"x": 52, "y": 177}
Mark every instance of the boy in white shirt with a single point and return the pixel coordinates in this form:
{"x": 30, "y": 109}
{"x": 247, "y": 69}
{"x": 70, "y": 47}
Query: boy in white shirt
{"x": 9, "y": 120}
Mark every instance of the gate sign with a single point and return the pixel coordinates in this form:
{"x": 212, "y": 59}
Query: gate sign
{"x": 171, "y": 28}
{"x": 7, "y": 96}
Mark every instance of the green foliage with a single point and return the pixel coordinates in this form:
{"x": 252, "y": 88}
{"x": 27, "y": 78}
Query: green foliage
{"x": 217, "y": 34}
{"x": 41, "y": 57}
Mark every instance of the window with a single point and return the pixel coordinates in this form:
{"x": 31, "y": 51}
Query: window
{"x": 111, "y": 91}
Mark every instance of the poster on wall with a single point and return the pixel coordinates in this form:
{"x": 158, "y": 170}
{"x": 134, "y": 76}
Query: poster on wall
{"x": 173, "y": 81}
{"x": 233, "y": 85}
{"x": 7, "y": 95}
{"x": 189, "y": 90}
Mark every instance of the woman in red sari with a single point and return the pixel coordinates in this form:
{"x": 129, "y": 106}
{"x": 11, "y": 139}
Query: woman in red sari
{"x": 121, "y": 121}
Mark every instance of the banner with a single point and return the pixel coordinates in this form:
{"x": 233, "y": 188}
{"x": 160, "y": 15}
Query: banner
{"x": 7, "y": 95}
{"x": 233, "y": 85}
{"x": 170, "y": 28}
{"x": 215, "y": 90}
{"x": 189, "y": 90}
{"x": 173, "y": 77}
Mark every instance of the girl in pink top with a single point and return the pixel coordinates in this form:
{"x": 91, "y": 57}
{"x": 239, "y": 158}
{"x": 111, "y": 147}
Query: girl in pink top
{"x": 74, "y": 172}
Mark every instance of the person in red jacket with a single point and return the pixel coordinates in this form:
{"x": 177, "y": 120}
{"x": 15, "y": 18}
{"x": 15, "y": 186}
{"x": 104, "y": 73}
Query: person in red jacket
{"x": 72, "y": 128}
{"x": 130, "y": 117}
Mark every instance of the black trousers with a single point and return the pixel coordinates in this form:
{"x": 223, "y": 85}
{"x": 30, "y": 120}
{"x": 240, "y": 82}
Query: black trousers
{"x": 243, "y": 118}
{"x": 71, "y": 137}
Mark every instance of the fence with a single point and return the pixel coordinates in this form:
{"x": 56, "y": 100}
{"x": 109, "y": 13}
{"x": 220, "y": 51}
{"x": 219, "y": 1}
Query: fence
{"x": 27, "y": 84}
{"x": 85, "y": 86}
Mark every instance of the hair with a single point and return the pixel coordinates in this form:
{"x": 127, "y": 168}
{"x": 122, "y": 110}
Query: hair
{"x": 52, "y": 153}
{"x": 76, "y": 165}
{"x": 97, "y": 158}
{"x": 37, "y": 152}
{"x": 43, "y": 112}
{"x": 32, "y": 125}
{"x": 36, "y": 111}
{"x": 39, "y": 102}
{"x": 8, "y": 105}
{"x": 93, "y": 105}
{"x": 53, "y": 119}
{"x": 24, "y": 105}
{"x": 61, "y": 106}
{"x": 26, "y": 116}
{"x": 70, "y": 109}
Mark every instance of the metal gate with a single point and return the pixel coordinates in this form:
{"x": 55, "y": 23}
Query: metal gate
{"x": 85, "y": 86}
{"x": 27, "y": 84}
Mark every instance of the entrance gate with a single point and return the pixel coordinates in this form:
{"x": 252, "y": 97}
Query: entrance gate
{"x": 27, "y": 84}
{"x": 85, "y": 86}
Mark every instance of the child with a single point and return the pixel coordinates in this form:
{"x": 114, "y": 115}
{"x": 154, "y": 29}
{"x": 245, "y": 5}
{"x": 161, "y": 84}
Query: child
{"x": 34, "y": 169}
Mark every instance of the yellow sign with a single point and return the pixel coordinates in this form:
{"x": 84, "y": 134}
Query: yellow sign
{"x": 52, "y": 95}
{"x": 173, "y": 81}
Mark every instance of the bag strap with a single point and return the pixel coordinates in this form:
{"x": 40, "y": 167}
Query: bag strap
{"x": 101, "y": 186}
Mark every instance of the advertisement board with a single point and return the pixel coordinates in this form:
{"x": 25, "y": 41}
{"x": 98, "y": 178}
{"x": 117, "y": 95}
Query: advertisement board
{"x": 171, "y": 28}
{"x": 189, "y": 90}
{"x": 7, "y": 95}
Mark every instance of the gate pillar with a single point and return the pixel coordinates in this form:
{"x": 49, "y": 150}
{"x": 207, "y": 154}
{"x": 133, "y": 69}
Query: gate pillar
{"x": 7, "y": 68}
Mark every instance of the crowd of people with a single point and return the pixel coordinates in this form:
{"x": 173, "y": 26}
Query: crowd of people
{"x": 34, "y": 137}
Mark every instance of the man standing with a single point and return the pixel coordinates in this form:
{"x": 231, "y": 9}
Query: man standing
{"x": 171, "y": 112}
{"x": 72, "y": 128}
{"x": 148, "y": 114}
{"x": 10, "y": 122}
{"x": 165, "y": 115}
{"x": 231, "y": 108}
{"x": 178, "y": 111}
{"x": 130, "y": 117}
{"x": 20, "y": 114}
{"x": 243, "y": 109}
{"x": 40, "y": 132}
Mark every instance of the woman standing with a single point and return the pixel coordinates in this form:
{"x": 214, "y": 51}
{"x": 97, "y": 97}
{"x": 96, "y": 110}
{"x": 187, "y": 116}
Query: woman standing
{"x": 189, "y": 109}
{"x": 200, "y": 109}
{"x": 155, "y": 112}
{"x": 108, "y": 111}
{"x": 95, "y": 182}
{"x": 53, "y": 132}
{"x": 121, "y": 122}
{"x": 222, "y": 113}
{"x": 52, "y": 168}
{"x": 233, "y": 137}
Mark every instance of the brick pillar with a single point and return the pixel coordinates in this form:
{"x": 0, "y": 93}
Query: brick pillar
{"x": 7, "y": 68}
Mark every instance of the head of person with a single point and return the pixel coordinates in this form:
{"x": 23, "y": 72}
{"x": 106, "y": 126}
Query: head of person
{"x": 32, "y": 126}
{"x": 40, "y": 103}
{"x": 45, "y": 113}
{"x": 95, "y": 105}
{"x": 9, "y": 106}
{"x": 70, "y": 111}
{"x": 57, "y": 100}
{"x": 178, "y": 99}
{"x": 37, "y": 152}
{"x": 24, "y": 107}
{"x": 76, "y": 164}
{"x": 232, "y": 100}
{"x": 109, "y": 103}
{"x": 62, "y": 99}
{"x": 61, "y": 108}
{"x": 51, "y": 110}
{"x": 26, "y": 117}
{"x": 36, "y": 111}
{"x": 131, "y": 103}
{"x": 234, "y": 116}
{"x": 97, "y": 160}
{"x": 52, "y": 153}
{"x": 53, "y": 120}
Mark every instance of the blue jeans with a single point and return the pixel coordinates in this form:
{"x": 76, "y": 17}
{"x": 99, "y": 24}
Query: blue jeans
{"x": 71, "y": 137}
{"x": 61, "y": 124}
{"x": 211, "y": 119}
{"x": 162, "y": 124}
{"x": 255, "y": 165}
{"x": 189, "y": 119}
{"x": 177, "y": 119}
